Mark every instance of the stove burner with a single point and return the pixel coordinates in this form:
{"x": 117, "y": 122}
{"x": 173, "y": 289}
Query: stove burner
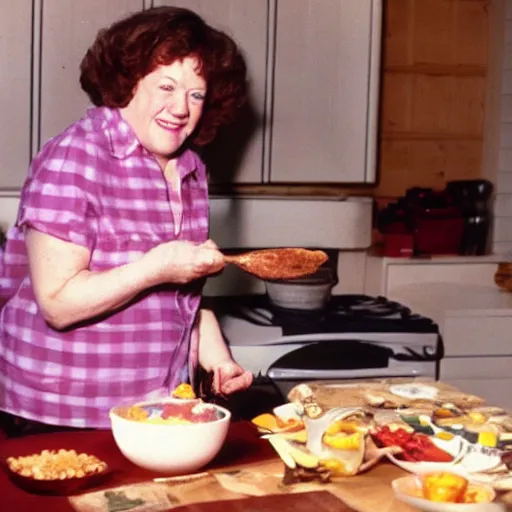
{"x": 353, "y": 306}
{"x": 343, "y": 313}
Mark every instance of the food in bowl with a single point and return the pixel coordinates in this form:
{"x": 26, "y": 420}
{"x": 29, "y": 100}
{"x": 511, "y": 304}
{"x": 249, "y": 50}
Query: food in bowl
{"x": 175, "y": 437}
{"x": 438, "y": 490}
{"x": 445, "y": 487}
{"x": 56, "y": 465}
{"x": 171, "y": 413}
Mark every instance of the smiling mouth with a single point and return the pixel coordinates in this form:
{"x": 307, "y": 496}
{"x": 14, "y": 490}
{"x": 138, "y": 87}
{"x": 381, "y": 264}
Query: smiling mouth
{"x": 170, "y": 126}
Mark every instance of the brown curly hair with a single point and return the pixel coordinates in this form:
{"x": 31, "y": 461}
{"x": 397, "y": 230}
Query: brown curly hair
{"x": 131, "y": 48}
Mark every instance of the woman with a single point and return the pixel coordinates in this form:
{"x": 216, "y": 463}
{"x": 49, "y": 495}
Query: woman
{"x": 104, "y": 268}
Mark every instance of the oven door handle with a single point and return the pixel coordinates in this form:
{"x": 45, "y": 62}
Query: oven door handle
{"x": 303, "y": 374}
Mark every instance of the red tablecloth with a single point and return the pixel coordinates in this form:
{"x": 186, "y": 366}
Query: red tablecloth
{"x": 242, "y": 446}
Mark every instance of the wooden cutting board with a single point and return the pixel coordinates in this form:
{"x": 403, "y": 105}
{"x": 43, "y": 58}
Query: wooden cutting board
{"x": 319, "y": 501}
{"x": 349, "y": 394}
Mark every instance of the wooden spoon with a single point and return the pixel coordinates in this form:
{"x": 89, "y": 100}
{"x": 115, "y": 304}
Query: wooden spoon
{"x": 283, "y": 263}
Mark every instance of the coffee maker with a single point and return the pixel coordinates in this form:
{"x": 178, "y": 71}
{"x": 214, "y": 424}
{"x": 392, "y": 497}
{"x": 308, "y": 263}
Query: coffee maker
{"x": 473, "y": 199}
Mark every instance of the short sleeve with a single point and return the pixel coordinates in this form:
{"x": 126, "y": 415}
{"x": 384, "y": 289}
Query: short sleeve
{"x": 56, "y": 197}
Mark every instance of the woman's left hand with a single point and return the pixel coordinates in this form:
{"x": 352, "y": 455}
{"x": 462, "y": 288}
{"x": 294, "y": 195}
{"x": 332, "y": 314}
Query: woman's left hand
{"x": 229, "y": 377}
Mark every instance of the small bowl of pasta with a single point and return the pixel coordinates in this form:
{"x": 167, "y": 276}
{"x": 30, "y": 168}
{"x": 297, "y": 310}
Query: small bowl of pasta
{"x": 57, "y": 472}
{"x": 173, "y": 437}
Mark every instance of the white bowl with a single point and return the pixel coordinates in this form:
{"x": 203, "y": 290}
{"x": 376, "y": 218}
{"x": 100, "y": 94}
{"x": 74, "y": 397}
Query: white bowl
{"x": 306, "y": 293}
{"x": 405, "y": 487}
{"x": 171, "y": 449}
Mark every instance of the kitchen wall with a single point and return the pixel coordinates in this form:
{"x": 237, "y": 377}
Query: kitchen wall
{"x": 447, "y": 100}
{"x": 434, "y": 79}
{"x": 8, "y": 210}
{"x": 500, "y": 131}
{"x": 435, "y": 64}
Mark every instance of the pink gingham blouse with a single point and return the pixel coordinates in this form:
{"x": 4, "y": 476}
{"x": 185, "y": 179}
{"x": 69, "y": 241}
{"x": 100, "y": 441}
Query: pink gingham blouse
{"x": 94, "y": 185}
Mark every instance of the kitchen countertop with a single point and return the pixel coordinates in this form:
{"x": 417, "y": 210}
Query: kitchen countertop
{"x": 242, "y": 448}
{"x": 438, "y": 259}
{"x": 440, "y": 300}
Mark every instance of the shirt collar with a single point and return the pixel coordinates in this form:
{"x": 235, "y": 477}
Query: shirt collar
{"x": 124, "y": 142}
{"x": 187, "y": 164}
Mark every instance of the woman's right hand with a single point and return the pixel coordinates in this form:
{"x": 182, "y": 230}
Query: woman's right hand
{"x": 182, "y": 261}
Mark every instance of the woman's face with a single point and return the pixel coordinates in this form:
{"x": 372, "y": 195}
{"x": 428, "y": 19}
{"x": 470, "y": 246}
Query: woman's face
{"x": 166, "y": 107}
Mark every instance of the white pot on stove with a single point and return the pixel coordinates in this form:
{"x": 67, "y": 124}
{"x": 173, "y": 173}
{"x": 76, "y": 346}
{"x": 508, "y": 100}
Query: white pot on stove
{"x": 305, "y": 293}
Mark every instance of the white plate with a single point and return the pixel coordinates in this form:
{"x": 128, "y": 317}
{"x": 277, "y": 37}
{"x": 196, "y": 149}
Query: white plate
{"x": 498, "y": 481}
{"x": 286, "y": 412}
{"x": 455, "y": 447}
{"x": 415, "y": 391}
{"x": 479, "y": 458}
{"x": 468, "y": 460}
{"x": 401, "y": 486}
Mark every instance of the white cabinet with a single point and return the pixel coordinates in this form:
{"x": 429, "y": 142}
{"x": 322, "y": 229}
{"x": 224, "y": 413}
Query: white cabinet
{"x": 478, "y": 352}
{"x": 237, "y": 155}
{"x": 473, "y": 315}
{"x": 313, "y": 68}
{"x": 68, "y": 28}
{"x": 325, "y": 102}
{"x": 489, "y": 377}
{"x": 384, "y": 275}
{"x": 15, "y": 91}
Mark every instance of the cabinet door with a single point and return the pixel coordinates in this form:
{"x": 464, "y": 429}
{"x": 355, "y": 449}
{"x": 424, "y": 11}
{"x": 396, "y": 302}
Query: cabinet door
{"x": 494, "y": 391}
{"x": 15, "y": 91}
{"x": 237, "y": 154}
{"x": 68, "y": 28}
{"x": 488, "y": 377}
{"x": 325, "y": 84}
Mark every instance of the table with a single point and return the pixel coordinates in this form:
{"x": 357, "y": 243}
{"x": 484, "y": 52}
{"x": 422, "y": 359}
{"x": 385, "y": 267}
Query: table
{"x": 242, "y": 447}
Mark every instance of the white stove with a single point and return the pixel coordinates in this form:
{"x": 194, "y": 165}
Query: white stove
{"x": 354, "y": 337}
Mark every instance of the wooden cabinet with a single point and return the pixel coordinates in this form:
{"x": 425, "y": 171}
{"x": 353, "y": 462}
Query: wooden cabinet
{"x": 68, "y": 28}
{"x": 327, "y": 55}
{"x": 237, "y": 154}
{"x": 15, "y": 91}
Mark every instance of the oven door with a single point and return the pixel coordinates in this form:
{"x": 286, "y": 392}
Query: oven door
{"x": 349, "y": 359}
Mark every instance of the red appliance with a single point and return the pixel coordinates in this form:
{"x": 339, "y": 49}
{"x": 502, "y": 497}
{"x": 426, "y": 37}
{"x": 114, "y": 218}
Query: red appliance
{"x": 438, "y": 231}
{"x": 424, "y": 218}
